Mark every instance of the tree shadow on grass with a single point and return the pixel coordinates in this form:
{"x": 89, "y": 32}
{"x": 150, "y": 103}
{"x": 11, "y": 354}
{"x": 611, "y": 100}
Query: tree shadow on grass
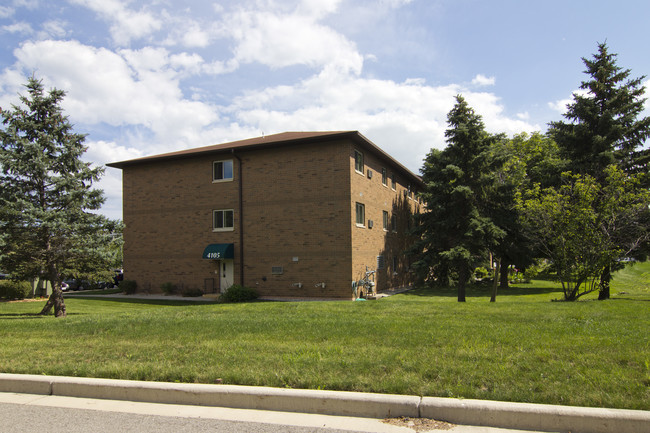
{"x": 172, "y": 303}
{"x": 482, "y": 291}
{"x": 30, "y": 315}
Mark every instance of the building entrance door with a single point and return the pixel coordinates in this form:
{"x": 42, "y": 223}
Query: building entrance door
{"x": 226, "y": 274}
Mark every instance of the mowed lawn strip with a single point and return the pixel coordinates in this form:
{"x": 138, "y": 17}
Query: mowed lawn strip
{"x": 522, "y": 348}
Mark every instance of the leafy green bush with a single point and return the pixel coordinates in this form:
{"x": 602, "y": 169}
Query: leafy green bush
{"x": 168, "y": 288}
{"x": 128, "y": 286}
{"x": 480, "y": 273}
{"x": 238, "y": 293}
{"x": 14, "y": 289}
{"x": 192, "y": 292}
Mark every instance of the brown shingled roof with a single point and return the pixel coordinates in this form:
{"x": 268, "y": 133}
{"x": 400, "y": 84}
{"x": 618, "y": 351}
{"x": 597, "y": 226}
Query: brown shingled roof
{"x": 282, "y": 139}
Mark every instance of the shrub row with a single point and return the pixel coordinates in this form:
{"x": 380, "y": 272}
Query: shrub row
{"x": 235, "y": 293}
{"x": 14, "y": 289}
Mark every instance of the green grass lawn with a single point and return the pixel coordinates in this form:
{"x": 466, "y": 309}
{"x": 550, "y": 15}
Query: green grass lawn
{"x": 522, "y": 348}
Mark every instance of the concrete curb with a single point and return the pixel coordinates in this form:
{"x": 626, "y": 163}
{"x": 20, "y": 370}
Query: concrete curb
{"x": 521, "y": 416}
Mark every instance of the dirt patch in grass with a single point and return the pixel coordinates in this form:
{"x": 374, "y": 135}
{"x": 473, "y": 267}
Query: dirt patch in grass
{"x": 419, "y": 424}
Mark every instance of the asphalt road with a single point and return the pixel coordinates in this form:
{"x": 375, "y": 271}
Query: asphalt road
{"x": 26, "y": 413}
{"x": 24, "y": 419}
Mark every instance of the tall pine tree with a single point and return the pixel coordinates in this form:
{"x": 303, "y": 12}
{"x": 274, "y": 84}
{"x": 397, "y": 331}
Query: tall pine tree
{"x": 48, "y": 229}
{"x": 455, "y": 232}
{"x": 604, "y": 127}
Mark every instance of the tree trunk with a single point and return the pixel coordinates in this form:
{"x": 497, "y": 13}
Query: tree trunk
{"x": 605, "y": 278}
{"x": 462, "y": 280}
{"x": 495, "y": 283}
{"x": 503, "y": 280}
{"x": 55, "y": 300}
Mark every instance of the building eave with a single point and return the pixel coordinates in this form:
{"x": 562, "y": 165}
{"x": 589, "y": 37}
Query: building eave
{"x": 269, "y": 141}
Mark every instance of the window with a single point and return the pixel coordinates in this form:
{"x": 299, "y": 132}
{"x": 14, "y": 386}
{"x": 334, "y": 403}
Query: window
{"x": 384, "y": 177}
{"x": 358, "y": 161}
{"x": 393, "y": 223}
{"x": 222, "y": 171}
{"x": 361, "y": 215}
{"x": 277, "y": 270}
{"x": 223, "y": 220}
{"x": 385, "y": 220}
{"x": 393, "y": 183}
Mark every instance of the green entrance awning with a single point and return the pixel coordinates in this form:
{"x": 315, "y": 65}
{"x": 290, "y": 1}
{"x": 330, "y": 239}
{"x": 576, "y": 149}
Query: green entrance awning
{"x": 219, "y": 251}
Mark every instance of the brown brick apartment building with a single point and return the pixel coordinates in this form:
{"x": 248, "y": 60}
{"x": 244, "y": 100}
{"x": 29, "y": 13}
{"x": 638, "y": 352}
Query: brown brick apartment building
{"x": 297, "y": 214}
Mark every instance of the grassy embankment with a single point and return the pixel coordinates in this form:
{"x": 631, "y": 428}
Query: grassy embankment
{"x": 521, "y": 348}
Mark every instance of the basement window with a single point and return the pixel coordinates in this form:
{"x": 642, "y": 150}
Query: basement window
{"x": 277, "y": 270}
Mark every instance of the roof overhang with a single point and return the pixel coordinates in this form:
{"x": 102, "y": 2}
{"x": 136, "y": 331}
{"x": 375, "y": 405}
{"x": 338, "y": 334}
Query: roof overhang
{"x": 274, "y": 140}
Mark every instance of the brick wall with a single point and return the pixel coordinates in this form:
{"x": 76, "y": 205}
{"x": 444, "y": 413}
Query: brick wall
{"x": 299, "y": 216}
{"x": 377, "y": 197}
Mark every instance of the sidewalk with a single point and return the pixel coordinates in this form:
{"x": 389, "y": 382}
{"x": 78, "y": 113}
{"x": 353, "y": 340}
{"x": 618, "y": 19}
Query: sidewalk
{"x": 521, "y": 416}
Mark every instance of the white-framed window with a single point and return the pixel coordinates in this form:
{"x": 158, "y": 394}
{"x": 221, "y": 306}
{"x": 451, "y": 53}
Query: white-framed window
{"x": 361, "y": 215}
{"x": 393, "y": 223}
{"x": 393, "y": 182}
{"x": 223, "y": 220}
{"x": 358, "y": 162}
{"x": 222, "y": 171}
{"x": 386, "y": 220}
{"x": 384, "y": 177}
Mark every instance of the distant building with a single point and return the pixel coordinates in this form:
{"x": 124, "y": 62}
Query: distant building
{"x": 294, "y": 215}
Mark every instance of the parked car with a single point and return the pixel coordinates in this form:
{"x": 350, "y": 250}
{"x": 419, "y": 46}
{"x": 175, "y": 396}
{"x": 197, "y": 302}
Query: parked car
{"x": 73, "y": 284}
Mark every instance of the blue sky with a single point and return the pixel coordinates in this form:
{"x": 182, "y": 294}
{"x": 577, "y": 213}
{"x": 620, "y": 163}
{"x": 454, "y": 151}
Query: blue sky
{"x": 147, "y": 77}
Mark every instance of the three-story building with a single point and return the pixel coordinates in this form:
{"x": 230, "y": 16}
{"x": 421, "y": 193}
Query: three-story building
{"x": 293, "y": 215}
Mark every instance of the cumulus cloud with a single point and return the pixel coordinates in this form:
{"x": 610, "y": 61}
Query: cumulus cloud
{"x": 125, "y": 24}
{"x": 482, "y": 80}
{"x": 283, "y": 39}
{"x": 129, "y": 87}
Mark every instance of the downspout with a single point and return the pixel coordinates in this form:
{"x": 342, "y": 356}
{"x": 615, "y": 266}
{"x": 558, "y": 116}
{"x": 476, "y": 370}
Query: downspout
{"x": 241, "y": 220}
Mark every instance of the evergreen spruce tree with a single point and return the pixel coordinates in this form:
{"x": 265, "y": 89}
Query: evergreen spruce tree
{"x": 48, "y": 230}
{"x": 604, "y": 127}
{"x": 455, "y": 232}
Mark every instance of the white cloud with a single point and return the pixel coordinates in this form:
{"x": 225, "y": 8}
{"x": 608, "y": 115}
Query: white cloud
{"x": 53, "y": 29}
{"x": 284, "y": 39}
{"x": 406, "y": 119}
{"x": 130, "y": 87}
{"x": 6, "y": 11}
{"x": 21, "y": 27}
{"x": 561, "y": 105}
{"x": 125, "y": 24}
{"x": 482, "y": 80}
